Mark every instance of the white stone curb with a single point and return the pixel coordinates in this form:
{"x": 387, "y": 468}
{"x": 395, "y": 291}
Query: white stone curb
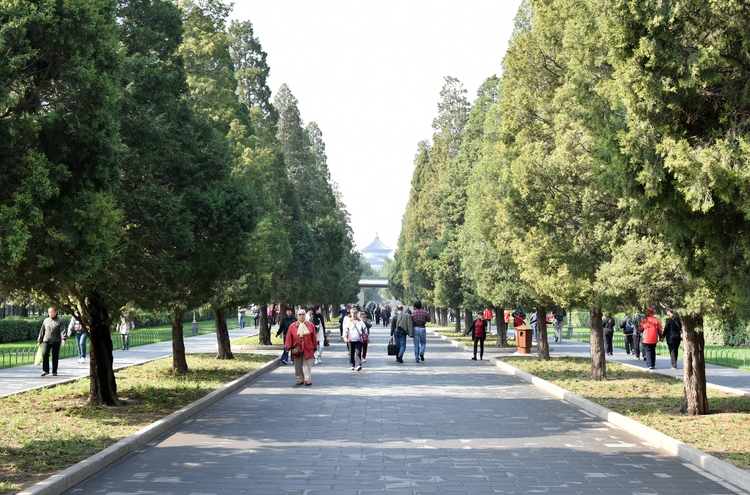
{"x": 67, "y": 479}
{"x": 711, "y": 464}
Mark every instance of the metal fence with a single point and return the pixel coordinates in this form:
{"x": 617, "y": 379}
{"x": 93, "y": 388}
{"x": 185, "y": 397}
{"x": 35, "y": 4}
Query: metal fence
{"x": 721, "y": 357}
{"x": 25, "y": 355}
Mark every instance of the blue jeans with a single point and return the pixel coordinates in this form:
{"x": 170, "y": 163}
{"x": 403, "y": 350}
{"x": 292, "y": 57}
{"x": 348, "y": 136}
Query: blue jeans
{"x": 242, "y": 322}
{"x": 420, "y": 341}
{"x": 400, "y": 340}
{"x": 81, "y": 340}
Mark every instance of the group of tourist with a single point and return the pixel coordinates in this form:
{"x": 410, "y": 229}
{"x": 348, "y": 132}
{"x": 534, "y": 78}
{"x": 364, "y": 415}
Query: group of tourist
{"x": 643, "y": 332}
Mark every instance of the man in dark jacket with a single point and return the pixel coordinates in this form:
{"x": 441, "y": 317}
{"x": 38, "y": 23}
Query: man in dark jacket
{"x": 283, "y": 329}
{"x": 52, "y": 334}
{"x": 402, "y": 326}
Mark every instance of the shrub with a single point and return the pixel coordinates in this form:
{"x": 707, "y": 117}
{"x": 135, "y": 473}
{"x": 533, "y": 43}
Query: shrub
{"x": 19, "y": 328}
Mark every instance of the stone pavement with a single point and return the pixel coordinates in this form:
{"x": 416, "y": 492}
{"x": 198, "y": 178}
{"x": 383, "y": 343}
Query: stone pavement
{"x": 445, "y": 425}
{"x": 23, "y": 378}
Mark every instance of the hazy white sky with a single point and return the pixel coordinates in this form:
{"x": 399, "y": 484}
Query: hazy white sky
{"x": 370, "y": 73}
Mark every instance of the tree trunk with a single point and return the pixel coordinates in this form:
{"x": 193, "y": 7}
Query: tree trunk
{"x": 264, "y": 332}
{"x": 598, "y": 356}
{"x": 97, "y": 321}
{"x": 695, "y": 400}
{"x": 467, "y": 318}
{"x": 444, "y": 317}
{"x": 502, "y": 327}
{"x": 458, "y": 319}
{"x": 179, "y": 363}
{"x": 222, "y": 334}
{"x": 542, "y": 344}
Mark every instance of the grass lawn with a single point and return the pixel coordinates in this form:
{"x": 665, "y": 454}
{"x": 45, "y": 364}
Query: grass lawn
{"x": 254, "y": 340}
{"x": 47, "y": 430}
{"x": 654, "y": 400}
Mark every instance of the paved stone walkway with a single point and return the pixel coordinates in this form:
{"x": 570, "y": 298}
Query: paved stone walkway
{"x": 447, "y": 425}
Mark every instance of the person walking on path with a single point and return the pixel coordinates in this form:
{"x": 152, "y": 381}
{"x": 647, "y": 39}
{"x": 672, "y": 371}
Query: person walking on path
{"x": 673, "y": 335}
{"x": 282, "y": 331}
{"x": 560, "y": 315}
{"x": 478, "y": 331}
{"x": 75, "y": 328}
{"x": 608, "y": 325}
{"x": 652, "y": 333}
{"x": 638, "y": 336}
{"x": 354, "y": 329}
{"x": 420, "y": 317}
{"x": 52, "y": 335}
{"x": 402, "y": 326}
{"x": 241, "y": 312}
{"x": 364, "y": 316}
{"x": 487, "y": 317}
{"x": 124, "y": 327}
{"x": 302, "y": 342}
{"x": 320, "y": 331}
{"x": 627, "y": 329}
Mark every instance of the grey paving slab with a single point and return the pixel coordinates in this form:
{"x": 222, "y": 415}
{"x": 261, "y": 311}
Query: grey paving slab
{"x": 447, "y": 425}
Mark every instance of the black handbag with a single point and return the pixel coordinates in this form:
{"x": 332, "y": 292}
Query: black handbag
{"x": 392, "y": 349}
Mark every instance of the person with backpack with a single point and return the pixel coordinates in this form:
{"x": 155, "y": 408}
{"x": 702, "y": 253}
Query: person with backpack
{"x": 673, "y": 335}
{"x": 560, "y": 315}
{"x": 626, "y": 324}
{"x": 637, "y": 336}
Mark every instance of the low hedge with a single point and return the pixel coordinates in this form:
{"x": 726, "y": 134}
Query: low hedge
{"x": 19, "y": 328}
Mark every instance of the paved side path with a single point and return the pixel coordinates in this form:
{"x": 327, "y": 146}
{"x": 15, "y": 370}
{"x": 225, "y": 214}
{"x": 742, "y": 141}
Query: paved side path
{"x": 22, "y": 378}
{"x": 446, "y": 425}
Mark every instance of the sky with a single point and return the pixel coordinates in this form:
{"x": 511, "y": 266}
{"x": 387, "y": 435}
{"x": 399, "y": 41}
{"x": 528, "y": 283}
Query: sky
{"x": 370, "y": 73}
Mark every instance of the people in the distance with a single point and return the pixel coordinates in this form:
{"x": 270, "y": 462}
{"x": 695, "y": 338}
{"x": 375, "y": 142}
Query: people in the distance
{"x": 402, "y": 326}
{"x": 241, "y": 312}
{"x": 354, "y": 329}
{"x": 420, "y": 317}
{"x": 478, "y": 331}
{"x": 608, "y": 325}
{"x": 124, "y": 327}
{"x": 626, "y": 324}
{"x": 652, "y": 333}
{"x": 282, "y": 331}
{"x": 52, "y": 335}
{"x": 560, "y": 315}
{"x": 302, "y": 342}
{"x": 673, "y": 335}
{"x": 320, "y": 330}
{"x": 76, "y": 329}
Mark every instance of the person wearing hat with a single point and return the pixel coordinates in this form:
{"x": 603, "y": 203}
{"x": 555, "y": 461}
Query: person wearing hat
{"x": 652, "y": 333}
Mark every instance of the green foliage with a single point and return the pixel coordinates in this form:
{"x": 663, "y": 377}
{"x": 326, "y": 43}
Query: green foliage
{"x": 16, "y": 328}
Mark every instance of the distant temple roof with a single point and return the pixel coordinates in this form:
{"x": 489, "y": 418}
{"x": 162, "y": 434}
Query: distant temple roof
{"x": 376, "y": 253}
{"x": 376, "y": 246}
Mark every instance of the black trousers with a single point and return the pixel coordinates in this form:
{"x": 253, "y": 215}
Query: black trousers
{"x": 629, "y": 344}
{"x": 479, "y": 341}
{"x": 608, "y": 342}
{"x": 674, "y": 350}
{"x": 637, "y": 345}
{"x": 55, "y": 348}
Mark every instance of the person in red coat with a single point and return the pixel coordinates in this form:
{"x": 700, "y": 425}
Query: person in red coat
{"x": 302, "y": 332}
{"x": 652, "y": 333}
{"x": 479, "y": 332}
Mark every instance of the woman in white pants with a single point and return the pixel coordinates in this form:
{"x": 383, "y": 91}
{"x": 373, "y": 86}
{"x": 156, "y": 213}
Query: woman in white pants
{"x": 320, "y": 331}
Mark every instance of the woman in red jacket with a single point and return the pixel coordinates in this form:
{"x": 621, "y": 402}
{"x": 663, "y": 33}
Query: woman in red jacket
{"x": 302, "y": 333}
{"x": 651, "y": 335}
{"x": 479, "y": 332}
